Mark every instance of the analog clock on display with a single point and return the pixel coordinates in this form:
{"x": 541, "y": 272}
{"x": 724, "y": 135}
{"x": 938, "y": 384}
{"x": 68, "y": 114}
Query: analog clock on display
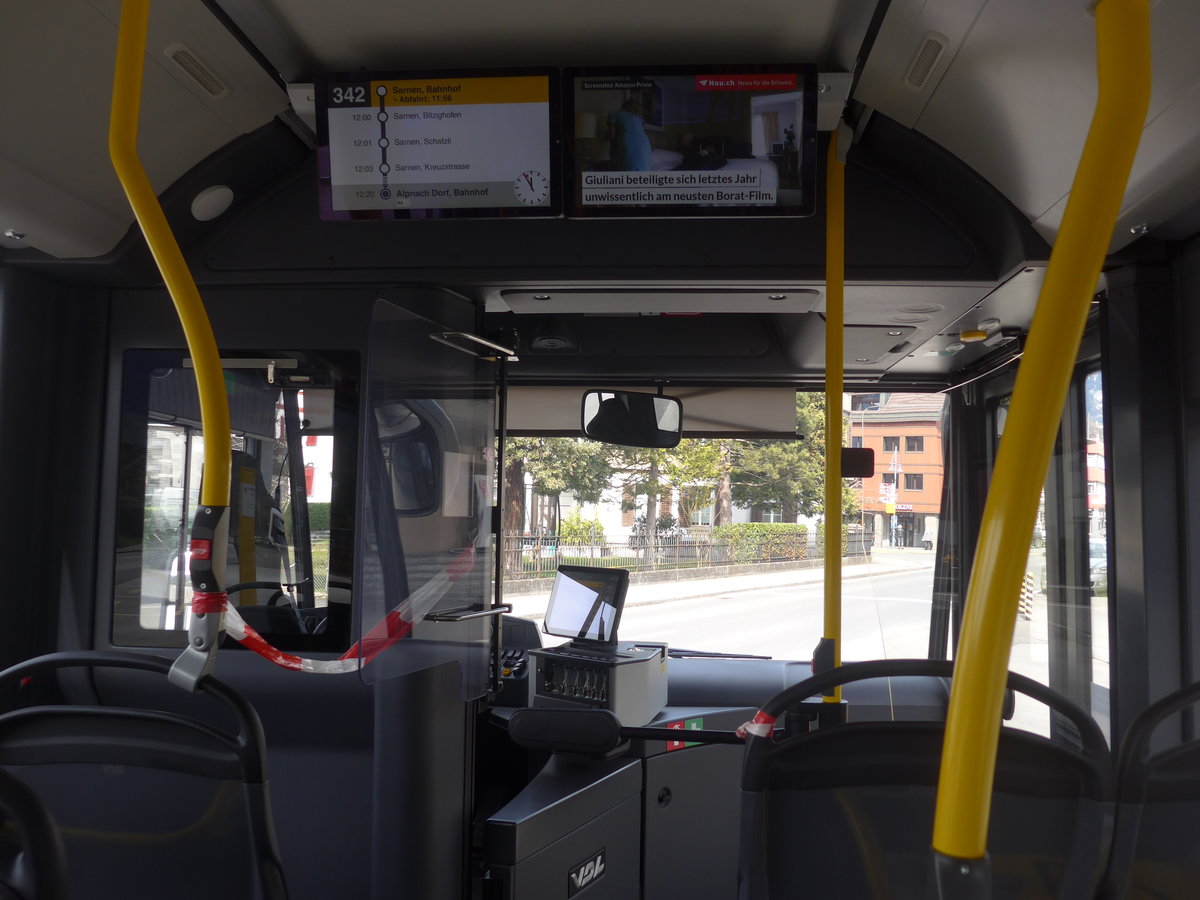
{"x": 532, "y": 187}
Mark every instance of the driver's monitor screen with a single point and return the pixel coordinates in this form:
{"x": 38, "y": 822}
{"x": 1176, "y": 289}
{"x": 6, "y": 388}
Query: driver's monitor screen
{"x": 586, "y": 602}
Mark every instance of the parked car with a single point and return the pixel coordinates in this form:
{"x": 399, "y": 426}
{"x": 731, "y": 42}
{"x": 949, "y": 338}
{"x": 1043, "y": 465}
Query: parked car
{"x": 1098, "y": 566}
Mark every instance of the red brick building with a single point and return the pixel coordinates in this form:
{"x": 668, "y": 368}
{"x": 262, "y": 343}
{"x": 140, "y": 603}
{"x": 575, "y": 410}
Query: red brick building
{"x": 901, "y": 502}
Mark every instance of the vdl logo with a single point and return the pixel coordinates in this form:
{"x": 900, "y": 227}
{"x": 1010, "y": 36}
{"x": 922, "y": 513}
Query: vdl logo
{"x": 587, "y": 872}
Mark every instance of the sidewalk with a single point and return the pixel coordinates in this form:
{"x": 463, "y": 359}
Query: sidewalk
{"x": 884, "y": 561}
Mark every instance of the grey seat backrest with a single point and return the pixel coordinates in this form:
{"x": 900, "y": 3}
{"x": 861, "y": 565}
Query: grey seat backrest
{"x": 32, "y": 861}
{"x": 148, "y": 802}
{"x": 1156, "y": 845}
{"x": 846, "y": 810}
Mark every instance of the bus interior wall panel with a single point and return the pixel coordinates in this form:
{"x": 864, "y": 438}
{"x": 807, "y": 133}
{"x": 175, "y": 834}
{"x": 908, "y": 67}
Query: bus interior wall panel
{"x": 1142, "y": 390}
{"x": 1188, "y": 282}
{"x": 602, "y": 855}
{"x": 51, "y": 399}
{"x": 650, "y": 348}
{"x": 904, "y": 225}
{"x": 691, "y": 819}
{"x": 333, "y": 316}
{"x": 487, "y": 251}
{"x": 25, "y": 327}
{"x": 746, "y": 347}
{"x": 952, "y": 190}
{"x": 573, "y": 810}
{"x": 251, "y": 166}
{"x": 419, "y": 785}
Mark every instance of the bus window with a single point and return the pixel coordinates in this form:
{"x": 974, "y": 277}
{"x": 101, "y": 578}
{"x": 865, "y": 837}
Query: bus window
{"x": 290, "y": 545}
{"x": 1097, "y": 523}
{"x": 1061, "y": 636}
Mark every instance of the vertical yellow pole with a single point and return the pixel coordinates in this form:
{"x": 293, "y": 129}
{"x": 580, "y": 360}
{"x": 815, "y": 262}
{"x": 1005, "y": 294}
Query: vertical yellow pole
{"x": 210, "y": 528}
{"x": 122, "y": 147}
{"x": 973, "y": 720}
{"x": 835, "y": 275}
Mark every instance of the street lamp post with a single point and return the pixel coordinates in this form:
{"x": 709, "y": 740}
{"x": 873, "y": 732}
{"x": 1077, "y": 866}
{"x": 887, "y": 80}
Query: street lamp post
{"x": 862, "y": 483}
{"x": 897, "y": 471}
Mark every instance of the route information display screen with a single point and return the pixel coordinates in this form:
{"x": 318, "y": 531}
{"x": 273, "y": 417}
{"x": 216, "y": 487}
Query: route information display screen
{"x": 405, "y": 145}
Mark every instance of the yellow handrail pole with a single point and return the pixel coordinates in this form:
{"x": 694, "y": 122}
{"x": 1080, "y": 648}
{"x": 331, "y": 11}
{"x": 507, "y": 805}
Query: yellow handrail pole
{"x": 210, "y": 528}
{"x": 973, "y": 719}
{"x": 835, "y": 277}
{"x": 122, "y": 147}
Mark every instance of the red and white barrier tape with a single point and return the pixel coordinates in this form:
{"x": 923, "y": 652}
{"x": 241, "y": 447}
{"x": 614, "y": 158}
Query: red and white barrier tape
{"x": 760, "y": 726}
{"x": 395, "y": 626}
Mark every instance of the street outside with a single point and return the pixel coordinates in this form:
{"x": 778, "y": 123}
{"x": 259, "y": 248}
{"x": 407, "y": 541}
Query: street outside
{"x": 779, "y": 614}
{"x": 883, "y": 615}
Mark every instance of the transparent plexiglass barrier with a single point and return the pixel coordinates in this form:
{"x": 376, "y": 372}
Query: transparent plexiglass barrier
{"x": 424, "y": 560}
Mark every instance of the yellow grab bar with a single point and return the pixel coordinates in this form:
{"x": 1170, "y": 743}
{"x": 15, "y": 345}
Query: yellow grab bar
{"x": 210, "y": 528}
{"x": 835, "y": 276}
{"x": 973, "y": 719}
{"x": 122, "y": 147}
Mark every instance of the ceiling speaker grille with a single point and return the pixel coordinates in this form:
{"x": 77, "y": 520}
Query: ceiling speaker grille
{"x": 195, "y": 69}
{"x": 927, "y": 57}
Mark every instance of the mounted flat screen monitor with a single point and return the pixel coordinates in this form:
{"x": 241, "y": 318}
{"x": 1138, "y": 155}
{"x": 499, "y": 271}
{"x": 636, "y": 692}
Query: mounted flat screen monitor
{"x": 586, "y": 603}
{"x": 412, "y": 145}
{"x": 691, "y": 141}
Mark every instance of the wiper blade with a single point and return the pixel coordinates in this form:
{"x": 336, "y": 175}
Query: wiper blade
{"x": 677, "y": 653}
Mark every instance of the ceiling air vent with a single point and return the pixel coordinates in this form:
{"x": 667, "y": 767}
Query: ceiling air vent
{"x": 195, "y": 69}
{"x": 931, "y": 50}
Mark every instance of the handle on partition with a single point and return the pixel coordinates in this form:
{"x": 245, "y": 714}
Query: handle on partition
{"x": 466, "y": 614}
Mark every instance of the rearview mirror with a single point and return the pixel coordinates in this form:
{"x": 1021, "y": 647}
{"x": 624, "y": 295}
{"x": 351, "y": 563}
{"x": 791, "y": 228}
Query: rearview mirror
{"x": 632, "y": 419}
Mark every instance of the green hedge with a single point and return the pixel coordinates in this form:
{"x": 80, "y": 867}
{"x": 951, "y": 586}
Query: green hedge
{"x": 845, "y": 537}
{"x": 318, "y": 516}
{"x": 576, "y": 530}
{"x": 752, "y": 541}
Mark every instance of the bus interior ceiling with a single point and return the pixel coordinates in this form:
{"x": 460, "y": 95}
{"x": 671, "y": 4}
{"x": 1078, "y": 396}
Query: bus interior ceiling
{"x": 955, "y": 188}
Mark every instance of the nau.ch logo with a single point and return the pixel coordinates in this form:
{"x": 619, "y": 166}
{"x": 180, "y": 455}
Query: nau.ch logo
{"x": 587, "y": 872}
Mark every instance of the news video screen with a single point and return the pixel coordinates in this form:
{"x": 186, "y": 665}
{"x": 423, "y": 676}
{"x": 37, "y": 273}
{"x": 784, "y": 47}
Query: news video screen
{"x": 691, "y": 140}
{"x": 405, "y": 145}
{"x": 586, "y": 603}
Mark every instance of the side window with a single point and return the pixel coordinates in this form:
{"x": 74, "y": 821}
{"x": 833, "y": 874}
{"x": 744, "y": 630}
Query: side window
{"x": 1061, "y": 637}
{"x": 290, "y": 548}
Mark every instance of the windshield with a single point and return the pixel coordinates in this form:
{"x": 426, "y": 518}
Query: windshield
{"x": 725, "y": 538}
